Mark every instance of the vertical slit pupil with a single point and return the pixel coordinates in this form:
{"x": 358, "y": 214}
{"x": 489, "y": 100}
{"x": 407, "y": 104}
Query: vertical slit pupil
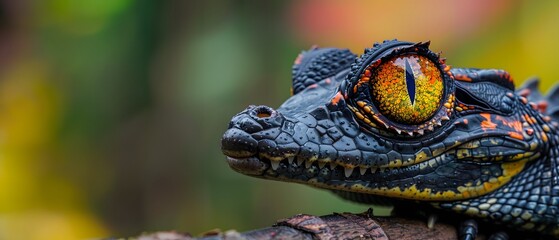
{"x": 410, "y": 82}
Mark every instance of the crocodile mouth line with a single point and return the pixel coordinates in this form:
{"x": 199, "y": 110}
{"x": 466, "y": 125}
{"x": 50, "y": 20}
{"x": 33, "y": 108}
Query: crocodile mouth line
{"x": 299, "y": 169}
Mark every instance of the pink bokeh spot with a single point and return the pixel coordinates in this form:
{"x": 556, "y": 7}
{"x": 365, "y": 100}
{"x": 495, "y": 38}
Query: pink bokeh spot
{"x": 356, "y": 24}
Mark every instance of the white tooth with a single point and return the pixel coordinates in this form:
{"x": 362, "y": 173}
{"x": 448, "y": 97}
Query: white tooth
{"x": 300, "y": 161}
{"x": 308, "y": 164}
{"x": 363, "y": 170}
{"x": 332, "y": 165}
{"x": 431, "y": 221}
{"x": 290, "y": 159}
{"x": 382, "y": 169}
{"x": 321, "y": 164}
{"x": 275, "y": 164}
{"x": 373, "y": 169}
{"x": 348, "y": 172}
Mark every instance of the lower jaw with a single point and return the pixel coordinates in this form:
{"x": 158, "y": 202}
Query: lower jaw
{"x": 249, "y": 166}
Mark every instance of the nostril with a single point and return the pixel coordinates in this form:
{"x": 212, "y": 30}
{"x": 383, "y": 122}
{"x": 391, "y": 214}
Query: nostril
{"x": 263, "y": 112}
{"x": 260, "y": 117}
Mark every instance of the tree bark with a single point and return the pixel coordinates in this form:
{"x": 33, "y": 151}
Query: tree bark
{"x": 333, "y": 226}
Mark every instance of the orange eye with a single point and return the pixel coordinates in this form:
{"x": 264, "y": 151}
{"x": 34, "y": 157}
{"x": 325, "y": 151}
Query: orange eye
{"x": 407, "y": 89}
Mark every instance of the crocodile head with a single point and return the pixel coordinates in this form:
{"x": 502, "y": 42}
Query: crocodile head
{"x": 395, "y": 122}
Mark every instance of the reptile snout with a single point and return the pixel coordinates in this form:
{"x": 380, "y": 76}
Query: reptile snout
{"x": 238, "y": 140}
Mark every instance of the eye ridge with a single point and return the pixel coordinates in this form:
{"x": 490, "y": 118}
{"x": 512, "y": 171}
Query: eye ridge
{"x": 410, "y": 82}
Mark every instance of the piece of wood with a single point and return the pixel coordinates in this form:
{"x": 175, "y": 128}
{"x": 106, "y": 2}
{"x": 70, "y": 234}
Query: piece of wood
{"x": 333, "y": 226}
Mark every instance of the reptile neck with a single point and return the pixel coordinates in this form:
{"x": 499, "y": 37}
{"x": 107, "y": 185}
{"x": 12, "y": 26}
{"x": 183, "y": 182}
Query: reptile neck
{"x": 530, "y": 201}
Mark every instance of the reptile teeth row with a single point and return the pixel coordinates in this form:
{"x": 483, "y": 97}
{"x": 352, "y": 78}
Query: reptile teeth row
{"x": 331, "y": 165}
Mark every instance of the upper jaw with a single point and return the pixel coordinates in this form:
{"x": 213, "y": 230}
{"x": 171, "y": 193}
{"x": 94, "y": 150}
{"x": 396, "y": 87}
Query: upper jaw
{"x": 323, "y": 146}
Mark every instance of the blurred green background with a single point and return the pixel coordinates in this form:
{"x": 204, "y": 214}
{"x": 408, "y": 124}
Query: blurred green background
{"x": 111, "y": 111}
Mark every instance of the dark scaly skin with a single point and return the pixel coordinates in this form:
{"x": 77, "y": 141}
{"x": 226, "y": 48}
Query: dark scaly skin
{"x": 487, "y": 153}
